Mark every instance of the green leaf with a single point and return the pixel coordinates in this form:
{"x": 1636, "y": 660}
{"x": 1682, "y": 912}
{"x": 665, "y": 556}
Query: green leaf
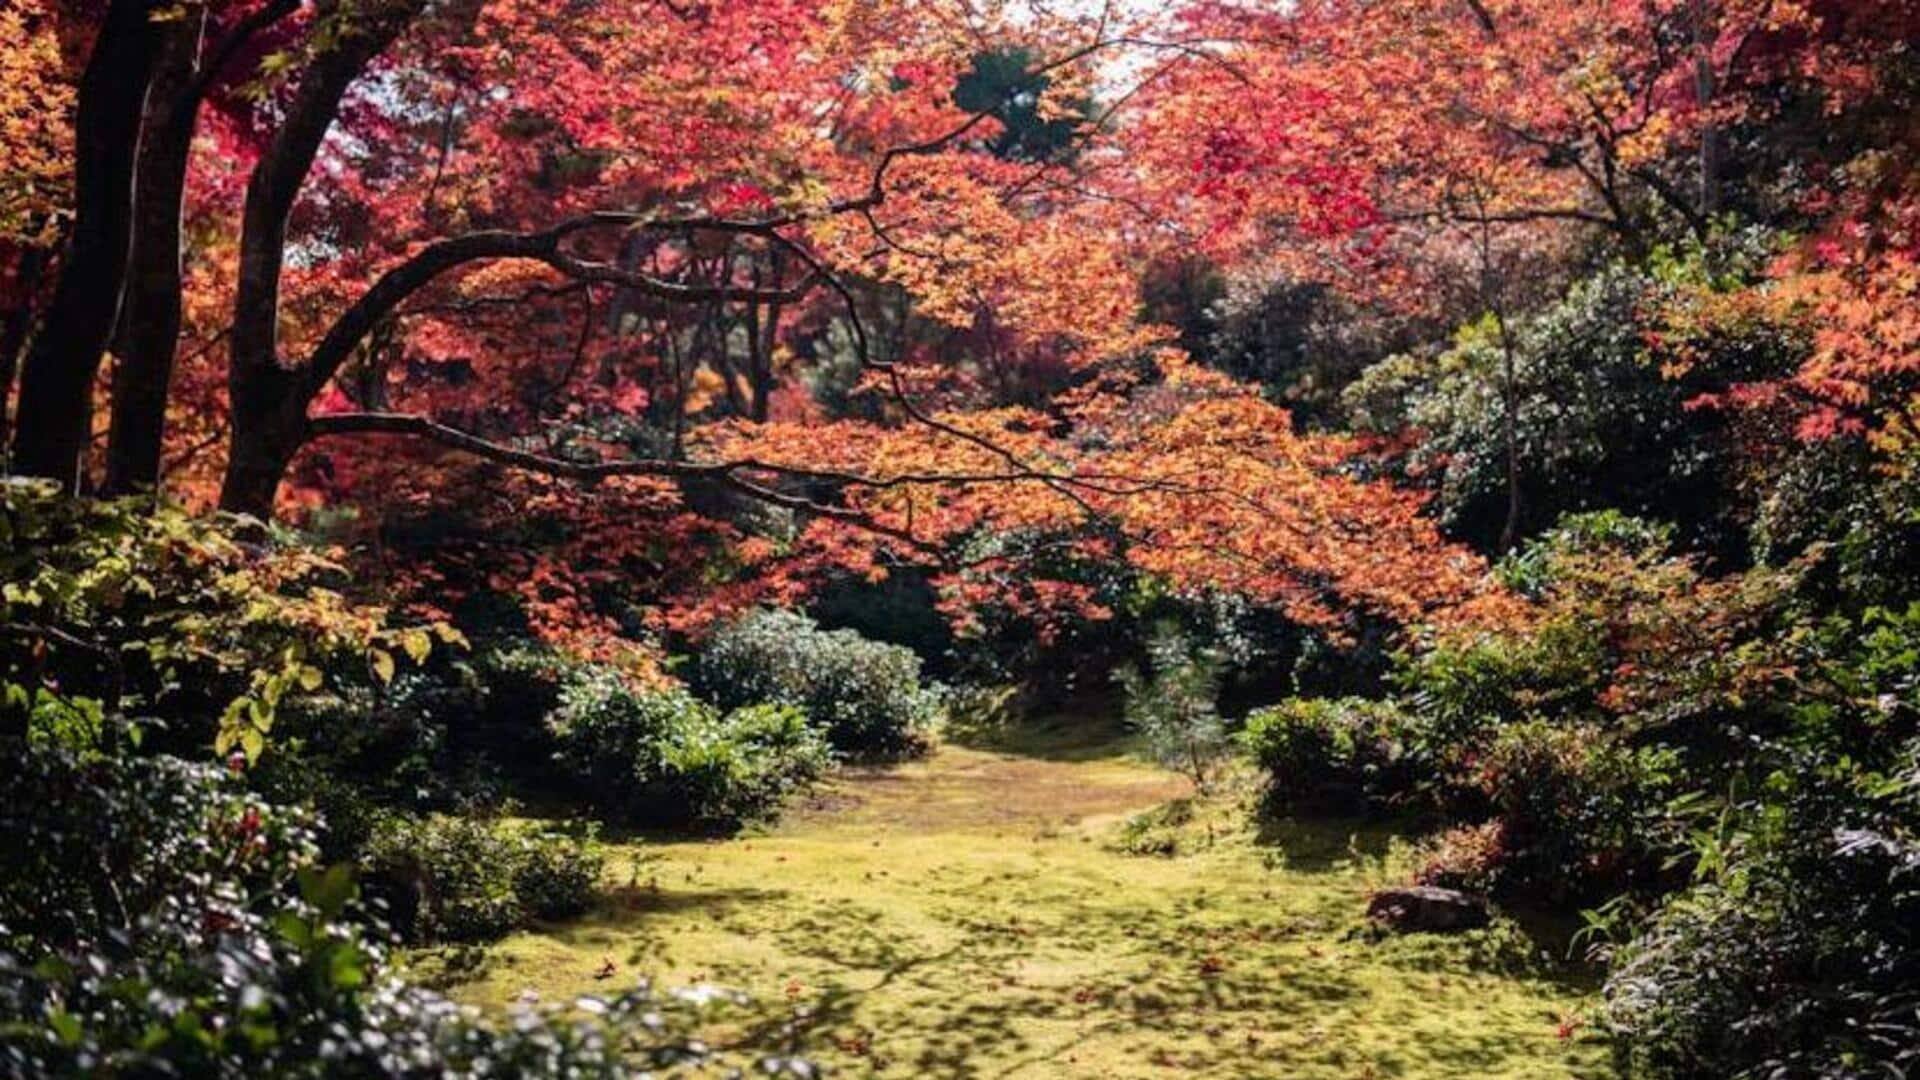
{"x": 65, "y": 1026}
{"x": 344, "y": 969}
{"x": 329, "y": 889}
{"x": 293, "y": 929}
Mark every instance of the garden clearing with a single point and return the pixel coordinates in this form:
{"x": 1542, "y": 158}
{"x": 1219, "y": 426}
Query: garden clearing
{"x": 978, "y": 914}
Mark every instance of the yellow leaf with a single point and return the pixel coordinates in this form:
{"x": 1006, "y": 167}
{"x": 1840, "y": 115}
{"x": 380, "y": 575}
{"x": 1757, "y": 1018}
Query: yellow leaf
{"x": 417, "y": 644}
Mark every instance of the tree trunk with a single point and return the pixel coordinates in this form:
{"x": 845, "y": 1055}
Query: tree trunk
{"x": 759, "y": 360}
{"x": 267, "y": 426}
{"x": 56, "y": 384}
{"x": 1704, "y": 89}
{"x": 267, "y": 403}
{"x": 1509, "y": 428}
{"x": 150, "y": 316}
{"x": 258, "y": 455}
{"x": 16, "y": 325}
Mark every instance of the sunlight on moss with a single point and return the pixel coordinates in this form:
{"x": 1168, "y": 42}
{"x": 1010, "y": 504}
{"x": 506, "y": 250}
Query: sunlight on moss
{"x": 972, "y": 915}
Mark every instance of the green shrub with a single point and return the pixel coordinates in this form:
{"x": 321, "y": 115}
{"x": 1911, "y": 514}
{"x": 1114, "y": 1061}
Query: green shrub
{"x": 149, "y": 931}
{"x": 662, "y": 757}
{"x": 162, "y": 615}
{"x": 444, "y": 878}
{"x": 1846, "y": 494}
{"x": 1341, "y": 755}
{"x": 557, "y": 875}
{"x": 449, "y": 878}
{"x": 1624, "y": 636}
{"x": 92, "y": 842}
{"x": 1798, "y": 953}
{"x": 453, "y": 734}
{"x": 1461, "y": 689}
{"x": 866, "y": 696}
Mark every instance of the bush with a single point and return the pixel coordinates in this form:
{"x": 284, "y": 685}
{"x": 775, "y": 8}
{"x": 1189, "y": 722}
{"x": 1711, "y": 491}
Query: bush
{"x": 1595, "y": 423}
{"x": 466, "y": 879}
{"x": 1341, "y": 755}
{"x": 1575, "y": 818}
{"x": 1577, "y": 812}
{"x": 195, "y": 956}
{"x": 1460, "y": 689}
{"x": 662, "y": 757}
{"x": 523, "y": 682}
{"x": 557, "y": 876}
{"x": 454, "y": 734}
{"x": 1798, "y": 954}
{"x": 93, "y": 842}
{"x": 866, "y": 696}
{"x": 1847, "y": 494}
{"x": 1465, "y": 857}
{"x": 164, "y": 615}
{"x": 1623, "y": 636}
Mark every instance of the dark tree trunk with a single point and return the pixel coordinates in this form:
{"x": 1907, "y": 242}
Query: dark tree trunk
{"x": 265, "y": 438}
{"x": 56, "y": 383}
{"x": 1704, "y": 89}
{"x": 16, "y": 325}
{"x": 761, "y": 339}
{"x": 760, "y": 359}
{"x": 150, "y": 315}
{"x": 268, "y": 403}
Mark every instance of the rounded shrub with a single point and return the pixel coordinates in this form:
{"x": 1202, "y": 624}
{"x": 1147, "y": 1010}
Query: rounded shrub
{"x": 1465, "y": 857}
{"x": 662, "y": 757}
{"x": 557, "y": 876}
{"x": 440, "y": 879}
{"x": 1329, "y": 754}
{"x": 867, "y": 696}
{"x": 447, "y": 878}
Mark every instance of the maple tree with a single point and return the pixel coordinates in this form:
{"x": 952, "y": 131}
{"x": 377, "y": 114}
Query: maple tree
{"x": 565, "y": 242}
{"x": 636, "y": 250}
{"x": 1456, "y": 159}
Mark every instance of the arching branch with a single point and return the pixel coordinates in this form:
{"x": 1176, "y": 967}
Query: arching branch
{"x": 735, "y": 474}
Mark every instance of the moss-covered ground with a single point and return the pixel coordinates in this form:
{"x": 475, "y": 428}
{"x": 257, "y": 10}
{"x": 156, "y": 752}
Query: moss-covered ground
{"x": 1009, "y": 912}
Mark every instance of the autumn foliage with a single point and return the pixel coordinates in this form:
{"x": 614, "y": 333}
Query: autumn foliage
{"x": 617, "y": 267}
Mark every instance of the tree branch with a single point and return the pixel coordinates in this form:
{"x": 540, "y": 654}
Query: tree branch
{"x": 732, "y": 473}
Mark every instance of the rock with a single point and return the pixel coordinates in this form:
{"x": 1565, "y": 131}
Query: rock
{"x": 1426, "y": 909}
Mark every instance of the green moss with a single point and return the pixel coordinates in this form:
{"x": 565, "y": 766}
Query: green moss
{"x": 970, "y": 915}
